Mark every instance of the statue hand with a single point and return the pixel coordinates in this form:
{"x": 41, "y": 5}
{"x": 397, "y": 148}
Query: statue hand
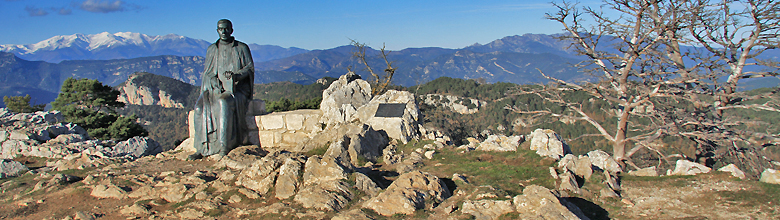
{"x": 228, "y": 74}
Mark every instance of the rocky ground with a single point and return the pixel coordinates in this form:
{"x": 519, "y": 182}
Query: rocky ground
{"x": 356, "y": 167}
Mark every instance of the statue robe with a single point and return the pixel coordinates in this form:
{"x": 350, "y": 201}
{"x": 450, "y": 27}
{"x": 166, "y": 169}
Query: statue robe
{"x": 220, "y": 112}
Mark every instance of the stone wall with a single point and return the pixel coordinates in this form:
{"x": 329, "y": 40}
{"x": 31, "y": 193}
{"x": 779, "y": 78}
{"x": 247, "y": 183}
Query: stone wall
{"x": 285, "y": 130}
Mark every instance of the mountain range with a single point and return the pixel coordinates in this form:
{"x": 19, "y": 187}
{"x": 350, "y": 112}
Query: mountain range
{"x": 39, "y": 69}
{"x": 126, "y": 45}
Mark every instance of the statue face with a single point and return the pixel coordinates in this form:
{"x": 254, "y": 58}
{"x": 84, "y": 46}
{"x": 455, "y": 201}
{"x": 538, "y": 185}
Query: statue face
{"x": 224, "y": 30}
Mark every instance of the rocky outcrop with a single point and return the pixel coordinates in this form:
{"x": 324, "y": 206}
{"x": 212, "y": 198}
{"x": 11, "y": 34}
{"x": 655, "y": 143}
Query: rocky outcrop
{"x": 403, "y": 128}
{"x": 770, "y": 176}
{"x": 136, "y": 147}
{"x": 487, "y": 209}
{"x": 500, "y": 143}
{"x": 343, "y": 97}
{"x": 538, "y": 202}
{"x": 548, "y": 144}
{"x": 10, "y": 168}
{"x": 685, "y": 167}
{"x": 410, "y": 192}
{"x": 134, "y": 94}
{"x": 604, "y": 161}
{"x": 734, "y": 170}
{"x": 454, "y": 103}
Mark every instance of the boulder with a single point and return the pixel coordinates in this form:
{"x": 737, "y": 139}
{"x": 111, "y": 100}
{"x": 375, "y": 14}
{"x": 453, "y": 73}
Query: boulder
{"x": 329, "y": 195}
{"x": 647, "y": 171}
{"x": 10, "y": 168}
{"x": 734, "y": 170}
{"x": 500, "y": 143}
{"x": 322, "y": 169}
{"x": 770, "y": 176}
{"x": 261, "y": 175}
{"x": 41, "y": 117}
{"x": 538, "y": 202}
{"x": 136, "y": 147}
{"x": 583, "y": 167}
{"x": 403, "y": 128}
{"x": 342, "y": 98}
{"x": 365, "y": 184}
{"x": 569, "y": 182}
{"x": 410, "y": 192}
{"x": 108, "y": 191}
{"x": 685, "y": 167}
{"x": 487, "y": 209}
{"x": 604, "y": 161}
{"x": 287, "y": 182}
{"x": 547, "y": 143}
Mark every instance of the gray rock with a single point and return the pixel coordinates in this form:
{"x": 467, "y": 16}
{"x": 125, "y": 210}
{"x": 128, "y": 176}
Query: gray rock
{"x": 538, "y": 202}
{"x": 410, "y": 192}
{"x": 604, "y": 161}
{"x": 328, "y": 195}
{"x": 568, "y": 182}
{"x": 734, "y": 170}
{"x": 500, "y": 143}
{"x": 403, "y": 128}
{"x": 770, "y": 176}
{"x": 108, "y": 191}
{"x": 136, "y": 147}
{"x": 487, "y": 209}
{"x": 547, "y": 143}
{"x": 684, "y": 167}
{"x": 365, "y": 184}
{"x": 647, "y": 171}
{"x": 46, "y": 117}
{"x": 287, "y": 182}
{"x": 10, "y": 168}
{"x": 342, "y": 98}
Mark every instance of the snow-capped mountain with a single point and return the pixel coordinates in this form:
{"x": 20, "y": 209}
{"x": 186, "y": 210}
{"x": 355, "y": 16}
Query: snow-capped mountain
{"x": 127, "y": 45}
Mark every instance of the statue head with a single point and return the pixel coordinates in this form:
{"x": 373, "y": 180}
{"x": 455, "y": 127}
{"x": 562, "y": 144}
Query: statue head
{"x": 224, "y": 29}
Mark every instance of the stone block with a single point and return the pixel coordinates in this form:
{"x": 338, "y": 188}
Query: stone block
{"x": 272, "y": 121}
{"x": 294, "y": 121}
{"x": 293, "y": 139}
{"x": 268, "y": 138}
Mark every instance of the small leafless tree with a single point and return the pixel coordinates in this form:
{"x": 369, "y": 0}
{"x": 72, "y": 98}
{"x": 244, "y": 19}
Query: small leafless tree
{"x": 379, "y": 83}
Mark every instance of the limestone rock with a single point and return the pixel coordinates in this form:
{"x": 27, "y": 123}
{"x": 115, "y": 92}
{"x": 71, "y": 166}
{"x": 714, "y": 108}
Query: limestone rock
{"x": 241, "y": 157}
{"x": 548, "y": 144}
{"x": 10, "y": 168}
{"x": 538, "y": 202}
{"x": 319, "y": 169}
{"x": 365, "y": 184}
{"x": 487, "y": 209}
{"x": 583, "y": 167}
{"x": 287, "y": 182}
{"x": 403, "y": 128}
{"x": 454, "y": 103}
{"x": 343, "y": 97}
{"x": 408, "y": 193}
{"x": 685, "y": 167}
{"x": 500, "y": 143}
{"x": 568, "y": 182}
{"x": 734, "y": 170}
{"x": 355, "y": 214}
{"x": 135, "y": 210}
{"x": 770, "y": 176}
{"x": 175, "y": 193}
{"x": 647, "y": 171}
{"x": 186, "y": 146}
{"x": 137, "y": 147}
{"x": 328, "y": 195}
{"x": 604, "y": 161}
{"x": 108, "y": 191}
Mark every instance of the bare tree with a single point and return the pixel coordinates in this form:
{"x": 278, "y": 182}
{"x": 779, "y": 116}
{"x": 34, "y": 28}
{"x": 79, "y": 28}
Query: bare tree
{"x": 379, "y": 83}
{"x": 643, "y": 57}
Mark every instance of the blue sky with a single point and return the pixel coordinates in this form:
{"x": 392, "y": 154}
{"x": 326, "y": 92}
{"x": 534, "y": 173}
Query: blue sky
{"x": 306, "y": 24}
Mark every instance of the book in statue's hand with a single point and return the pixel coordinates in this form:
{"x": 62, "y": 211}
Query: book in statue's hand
{"x": 227, "y": 81}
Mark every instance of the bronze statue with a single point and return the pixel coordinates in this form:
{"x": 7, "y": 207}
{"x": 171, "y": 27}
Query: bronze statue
{"x": 225, "y": 93}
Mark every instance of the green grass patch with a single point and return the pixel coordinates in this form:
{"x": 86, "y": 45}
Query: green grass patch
{"x": 502, "y": 170}
{"x": 318, "y": 151}
{"x": 413, "y": 144}
{"x": 763, "y": 193}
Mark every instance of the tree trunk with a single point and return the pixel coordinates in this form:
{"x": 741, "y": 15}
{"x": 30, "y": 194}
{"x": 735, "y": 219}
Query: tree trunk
{"x": 619, "y": 146}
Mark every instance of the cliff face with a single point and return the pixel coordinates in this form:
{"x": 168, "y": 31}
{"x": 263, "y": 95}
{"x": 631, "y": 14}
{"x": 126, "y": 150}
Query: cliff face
{"x": 136, "y": 92}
